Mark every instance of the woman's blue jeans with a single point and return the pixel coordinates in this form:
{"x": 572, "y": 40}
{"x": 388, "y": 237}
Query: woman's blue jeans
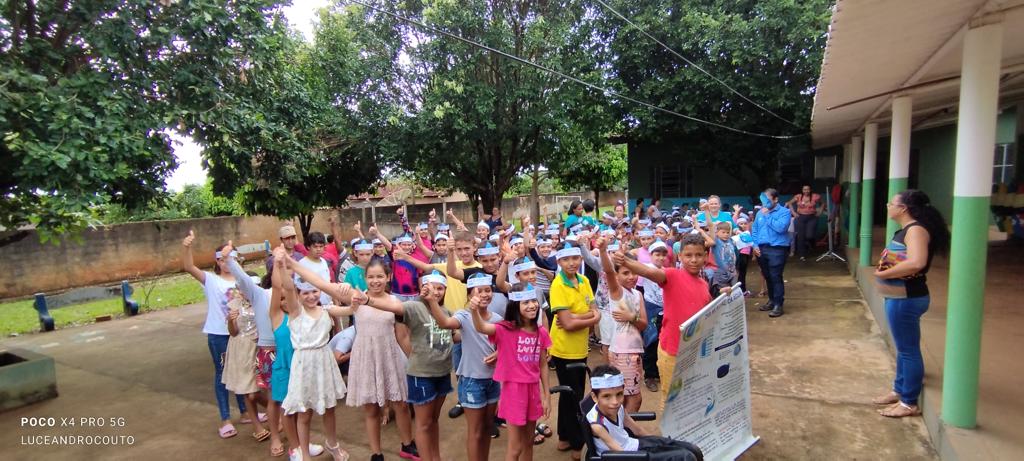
{"x": 218, "y": 347}
{"x": 904, "y": 315}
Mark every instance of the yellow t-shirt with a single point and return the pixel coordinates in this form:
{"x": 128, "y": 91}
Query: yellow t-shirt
{"x": 570, "y": 344}
{"x": 455, "y": 296}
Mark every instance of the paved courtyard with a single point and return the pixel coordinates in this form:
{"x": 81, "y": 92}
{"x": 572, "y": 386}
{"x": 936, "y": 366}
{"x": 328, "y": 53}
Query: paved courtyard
{"x": 813, "y": 374}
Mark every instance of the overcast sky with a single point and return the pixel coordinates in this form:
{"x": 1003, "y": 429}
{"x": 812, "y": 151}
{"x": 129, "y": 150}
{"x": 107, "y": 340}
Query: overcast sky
{"x": 190, "y": 170}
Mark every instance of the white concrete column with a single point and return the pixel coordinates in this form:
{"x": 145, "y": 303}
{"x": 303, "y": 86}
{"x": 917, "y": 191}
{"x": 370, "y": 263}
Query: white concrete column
{"x": 972, "y": 195}
{"x": 853, "y": 220}
{"x": 899, "y": 152}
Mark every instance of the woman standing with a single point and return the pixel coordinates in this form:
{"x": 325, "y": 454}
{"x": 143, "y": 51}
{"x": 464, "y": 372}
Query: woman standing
{"x": 807, "y": 207}
{"x": 901, "y": 279}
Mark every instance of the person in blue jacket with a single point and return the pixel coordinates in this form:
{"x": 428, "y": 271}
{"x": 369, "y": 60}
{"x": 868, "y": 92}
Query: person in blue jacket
{"x": 771, "y": 247}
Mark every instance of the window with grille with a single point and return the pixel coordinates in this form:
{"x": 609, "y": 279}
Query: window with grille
{"x": 1003, "y": 168}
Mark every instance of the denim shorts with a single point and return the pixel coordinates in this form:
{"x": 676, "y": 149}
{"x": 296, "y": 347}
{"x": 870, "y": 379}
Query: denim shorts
{"x": 478, "y": 393}
{"x": 424, "y": 390}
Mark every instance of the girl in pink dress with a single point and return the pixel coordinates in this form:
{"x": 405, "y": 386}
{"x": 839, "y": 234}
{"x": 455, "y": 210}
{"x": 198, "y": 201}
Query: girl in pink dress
{"x": 521, "y": 367}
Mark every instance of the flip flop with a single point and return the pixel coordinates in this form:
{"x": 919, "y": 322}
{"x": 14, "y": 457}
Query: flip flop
{"x": 227, "y": 431}
{"x": 277, "y": 452}
{"x": 538, "y": 439}
{"x": 544, "y": 429}
{"x": 261, "y": 436}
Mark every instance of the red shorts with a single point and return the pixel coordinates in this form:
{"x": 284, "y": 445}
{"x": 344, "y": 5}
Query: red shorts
{"x": 520, "y": 403}
{"x": 264, "y": 364}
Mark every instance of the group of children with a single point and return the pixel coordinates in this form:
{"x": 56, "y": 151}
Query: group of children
{"x": 498, "y": 306}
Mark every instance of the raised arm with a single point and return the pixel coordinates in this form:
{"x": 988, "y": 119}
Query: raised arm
{"x": 609, "y": 271}
{"x": 276, "y": 289}
{"x": 291, "y": 298}
{"x": 423, "y": 267}
{"x": 650, "y": 273}
{"x": 501, "y": 277}
{"x": 383, "y": 240}
{"x": 453, "y": 270}
{"x": 479, "y": 323}
{"x": 708, "y": 240}
{"x": 358, "y": 228}
{"x": 244, "y": 282}
{"x": 458, "y": 222}
{"x": 423, "y": 248}
{"x": 443, "y": 321}
{"x": 186, "y": 259}
{"x": 340, "y": 291}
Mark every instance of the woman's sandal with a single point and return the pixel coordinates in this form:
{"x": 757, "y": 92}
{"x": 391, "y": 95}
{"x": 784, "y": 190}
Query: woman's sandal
{"x": 277, "y": 452}
{"x": 336, "y": 452}
{"x": 261, "y": 436}
{"x": 538, "y": 439}
{"x": 248, "y": 420}
{"x": 227, "y": 431}
{"x": 544, "y": 429}
{"x": 900, "y": 410}
{"x": 887, "y": 399}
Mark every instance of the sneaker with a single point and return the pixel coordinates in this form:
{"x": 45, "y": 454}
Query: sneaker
{"x": 803, "y": 258}
{"x": 456, "y": 411}
{"x": 294, "y": 455}
{"x": 315, "y": 450}
{"x": 409, "y": 452}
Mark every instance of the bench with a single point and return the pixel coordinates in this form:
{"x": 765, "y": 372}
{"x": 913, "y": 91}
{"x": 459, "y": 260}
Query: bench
{"x": 44, "y": 303}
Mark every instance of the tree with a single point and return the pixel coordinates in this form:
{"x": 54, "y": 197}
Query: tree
{"x": 468, "y": 119}
{"x": 90, "y": 87}
{"x": 768, "y": 50}
{"x": 601, "y": 171}
{"x": 296, "y": 146}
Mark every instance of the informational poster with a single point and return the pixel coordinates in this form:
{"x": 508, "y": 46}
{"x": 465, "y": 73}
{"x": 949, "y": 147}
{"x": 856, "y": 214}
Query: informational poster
{"x": 708, "y": 401}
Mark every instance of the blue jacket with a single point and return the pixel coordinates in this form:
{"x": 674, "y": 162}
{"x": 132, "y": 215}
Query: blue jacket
{"x": 772, "y": 229}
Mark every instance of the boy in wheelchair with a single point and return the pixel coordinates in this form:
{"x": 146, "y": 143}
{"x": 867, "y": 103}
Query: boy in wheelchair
{"x": 615, "y": 431}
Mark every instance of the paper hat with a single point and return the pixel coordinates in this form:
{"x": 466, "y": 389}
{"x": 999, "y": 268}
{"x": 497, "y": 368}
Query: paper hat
{"x": 303, "y": 285}
{"x": 422, "y": 226}
{"x": 645, "y": 233}
{"x": 552, "y": 232}
{"x": 478, "y": 279}
{"x": 233, "y": 254}
{"x": 362, "y": 245}
{"x": 377, "y": 242}
{"x": 527, "y": 294}
{"x": 443, "y": 227}
{"x": 663, "y": 226}
{"x": 571, "y": 238}
{"x": 440, "y": 236}
{"x": 493, "y": 238}
{"x": 657, "y": 245}
{"x": 404, "y": 238}
{"x": 607, "y": 381}
{"x": 354, "y": 241}
{"x": 614, "y": 246}
{"x": 487, "y": 250}
{"x": 435, "y": 277}
{"x": 515, "y": 240}
{"x": 568, "y": 250}
{"x": 524, "y": 266}
{"x": 482, "y": 224}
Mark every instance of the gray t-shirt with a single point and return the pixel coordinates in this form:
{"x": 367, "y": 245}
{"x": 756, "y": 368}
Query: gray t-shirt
{"x": 431, "y": 345}
{"x": 499, "y": 301}
{"x": 475, "y": 346}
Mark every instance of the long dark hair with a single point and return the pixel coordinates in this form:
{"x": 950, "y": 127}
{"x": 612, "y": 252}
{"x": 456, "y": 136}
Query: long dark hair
{"x": 512, "y": 314}
{"x": 379, "y": 262}
{"x": 919, "y": 207}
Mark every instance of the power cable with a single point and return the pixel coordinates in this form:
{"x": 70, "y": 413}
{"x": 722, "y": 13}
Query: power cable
{"x": 691, "y": 63}
{"x": 605, "y": 91}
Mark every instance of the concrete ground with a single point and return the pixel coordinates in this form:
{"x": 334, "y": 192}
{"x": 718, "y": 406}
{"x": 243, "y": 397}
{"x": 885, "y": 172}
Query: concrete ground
{"x": 813, "y": 374}
{"x": 998, "y": 435}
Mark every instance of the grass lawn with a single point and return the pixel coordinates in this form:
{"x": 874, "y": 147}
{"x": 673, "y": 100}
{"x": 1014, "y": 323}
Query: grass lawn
{"x": 20, "y": 317}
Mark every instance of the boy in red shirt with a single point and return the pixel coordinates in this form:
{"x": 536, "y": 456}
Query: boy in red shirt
{"x": 685, "y": 293}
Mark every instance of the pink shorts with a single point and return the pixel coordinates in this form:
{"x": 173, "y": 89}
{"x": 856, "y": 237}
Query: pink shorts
{"x": 264, "y": 363}
{"x": 520, "y": 403}
{"x": 632, "y": 371}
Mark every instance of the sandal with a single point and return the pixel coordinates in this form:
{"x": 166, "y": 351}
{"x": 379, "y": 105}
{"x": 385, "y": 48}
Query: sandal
{"x": 544, "y": 429}
{"x": 277, "y": 452}
{"x": 538, "y": 439}
{"x": 227, "y": 431}
{"x": 887, "y": 399}
{"x": 261, "y": 436}
{"x": 900, "y": 410}
{"x": 336, "y": 452}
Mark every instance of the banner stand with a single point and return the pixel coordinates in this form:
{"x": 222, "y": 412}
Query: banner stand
{"x": 708, "y": 401}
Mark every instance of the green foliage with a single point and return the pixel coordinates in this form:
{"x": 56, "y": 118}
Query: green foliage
{"x": 600, "y": 171}
{"x": 194, "y": 201}
{"x": 769, "y": 50}
{"x": 462, "y": 118}
{"x": 89, "y": 87}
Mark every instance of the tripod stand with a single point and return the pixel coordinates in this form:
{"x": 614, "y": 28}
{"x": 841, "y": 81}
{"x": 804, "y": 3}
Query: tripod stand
{"x": 830, "y": 232}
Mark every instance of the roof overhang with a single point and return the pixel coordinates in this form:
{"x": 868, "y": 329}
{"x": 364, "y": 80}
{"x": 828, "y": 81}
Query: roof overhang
{"x": 879, "y": 49}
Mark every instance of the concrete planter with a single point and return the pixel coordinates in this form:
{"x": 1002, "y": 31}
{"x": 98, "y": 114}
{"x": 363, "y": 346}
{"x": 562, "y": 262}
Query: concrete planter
{"x": 25, "y": 378}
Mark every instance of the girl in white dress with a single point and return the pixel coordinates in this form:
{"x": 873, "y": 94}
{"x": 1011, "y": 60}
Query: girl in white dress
{"x": 316, "y": 384}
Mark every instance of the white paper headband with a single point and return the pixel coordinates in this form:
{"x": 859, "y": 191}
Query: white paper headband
{"x": 478, "y": 281}
{"x": 607, "y": 381}
{"x": 567, "y": 252}
{"x": 523, "y": 266}
{"x": 522, "y": 295}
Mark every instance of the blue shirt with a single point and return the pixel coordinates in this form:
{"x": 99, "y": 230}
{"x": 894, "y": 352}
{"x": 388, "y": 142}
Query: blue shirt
{"x": 723, "y": 216}
{"x": 772, "y": 229}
